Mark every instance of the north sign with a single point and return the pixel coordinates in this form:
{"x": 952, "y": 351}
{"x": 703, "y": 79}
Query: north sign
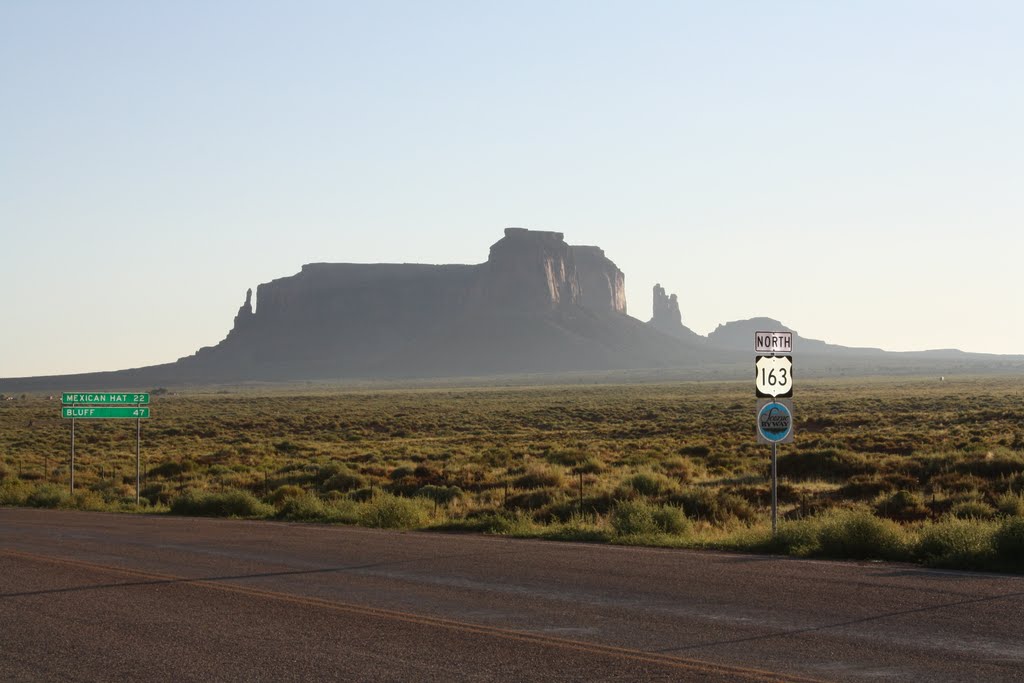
{"x": 773, "y": 376}
{"x": 773, "y": 342}
{"x": 92, "y": 398}
{"x": 87, "y": 413}
{"x": 775, "y": 421}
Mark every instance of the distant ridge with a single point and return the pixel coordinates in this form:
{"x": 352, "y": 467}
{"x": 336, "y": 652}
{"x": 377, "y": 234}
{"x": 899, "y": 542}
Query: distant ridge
{"x": 537, "y": 305}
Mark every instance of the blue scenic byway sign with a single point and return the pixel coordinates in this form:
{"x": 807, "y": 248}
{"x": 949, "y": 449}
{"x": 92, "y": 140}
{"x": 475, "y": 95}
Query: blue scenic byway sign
{"x": 775, "y": 421}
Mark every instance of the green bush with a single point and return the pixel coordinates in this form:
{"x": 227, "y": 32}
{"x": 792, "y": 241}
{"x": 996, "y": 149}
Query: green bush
{"x": 47, "y": 496}
{"x": 800, "y": 538}
{"x": 304, "y": 508}
{"x": 312, "y": 508}
{"x": 956, "y": 542}
{"x": 634, "y": 518}
{"x": 903, "y": 506}
{"x": 860, "y": 535}
{"x": 540, "y": 477}
{"x": 386, "y": 511}
{"x": 441, "y": 495}
{"x": 226, "y": 504}
{"x": 1009, "y": 541}
{"x": 650, "y": 484}
{"x": 171, "y": 468}
{"x": 589, "y": 466}
{"x": 532, "y": 500}
{"x": 13, "y": 492}
{"x": 672, "y": 520}
{"x": 701, "y": 502}
{"x": 344, "y": 480}
{"x": 282, "y": 494}
{"x": 1010, "y": 504}
{"x": 973, "y": 509}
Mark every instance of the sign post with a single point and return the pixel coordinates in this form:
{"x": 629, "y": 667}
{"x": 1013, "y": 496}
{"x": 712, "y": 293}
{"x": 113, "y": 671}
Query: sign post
{"x": 773, "y": 386}
{"x": 108, "y": 405}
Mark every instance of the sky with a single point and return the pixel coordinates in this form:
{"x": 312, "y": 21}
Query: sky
{"x": 854, "y": 170}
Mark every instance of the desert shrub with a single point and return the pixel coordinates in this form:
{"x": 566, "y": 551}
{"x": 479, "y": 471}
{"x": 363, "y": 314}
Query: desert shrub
{"x": 282, "y": 494}
{"x": 47, "y": 496}
{"x": 903, "y": 506}
{"x": 362, "y": 495}
{"x": 531, "y": 500}
{"x": 957, "y": 483}
{"x": 577, "y": 529}
{"x": 89, "y": 500}
{"x": 860, "y": 535}
{"x": 650, "y": 484}
{"x": 973, "y": 509}
{"x": 343, "y": 480}
{"x": 695, "y": 451}
{"x": 1010, "y": 504}
{"x": 681, "y": 470}
{"x": 441, "y": 495}
{"x": 540, "y": 477}
{"x": 386, "y": 511}
{"x": 312, "y": 508}
{"x": 991, "y": 464}
{"x": 866, "y": 486}
{"x": 1009, "y": 541}
{"x": 634, "y": 518}
{"x": 671, "y": 520}
{"x": 156, "y": 492}
{"x": 170, "y": 468}
{"x": 304, "y": 507}
{"x": 588, "y": 466}
{"x": 402, "y": 471}
{"x": 955, "y": 542}
{"x": 566, "y": 457}
{"x": 13, "y": 492}
{"x": 232, "y": 503}
{"x": 490, "y": 522}
{"x": 732, "y": 506}
{"x": 824, "y": 464}
{"x": 798, "y": 537}
{"x": 700, "y": 502}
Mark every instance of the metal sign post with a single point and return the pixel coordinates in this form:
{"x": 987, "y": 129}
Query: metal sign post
{"x": 775, "y": 488}
{"x": 72, "y": 456}
{"x": 773, "y": 385}
{"x": 117, "y": 405}
{"x": 138, "y": 458}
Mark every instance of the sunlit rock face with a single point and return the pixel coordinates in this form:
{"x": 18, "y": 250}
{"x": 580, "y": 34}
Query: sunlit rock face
{"x": 602, "y": 284}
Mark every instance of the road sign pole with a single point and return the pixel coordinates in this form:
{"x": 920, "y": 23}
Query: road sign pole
{"x": 72, "y": 456}
{"x": 775, "y": 488}
{"x": 138, "y": 459}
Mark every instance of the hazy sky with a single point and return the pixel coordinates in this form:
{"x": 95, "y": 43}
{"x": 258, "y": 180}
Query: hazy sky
{"x": 855, "y": 169}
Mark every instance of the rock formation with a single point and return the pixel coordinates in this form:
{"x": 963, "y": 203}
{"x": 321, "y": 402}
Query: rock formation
{"x": 666, "y": 316}
{"x": 602, "y": 284}
{"x": 537, "y": 304}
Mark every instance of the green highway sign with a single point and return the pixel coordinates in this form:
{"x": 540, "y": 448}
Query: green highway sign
{"x": 92, "y": 398}
{"x": 87, "y": 413}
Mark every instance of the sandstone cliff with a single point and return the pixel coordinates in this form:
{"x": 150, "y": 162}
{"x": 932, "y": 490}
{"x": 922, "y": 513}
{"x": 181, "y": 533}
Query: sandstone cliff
{"x": 537, "y": 304}
{"x": 602, "y": 284}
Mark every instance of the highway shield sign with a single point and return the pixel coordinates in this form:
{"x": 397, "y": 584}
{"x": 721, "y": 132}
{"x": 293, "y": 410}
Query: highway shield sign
{"x": 773, "y": 376}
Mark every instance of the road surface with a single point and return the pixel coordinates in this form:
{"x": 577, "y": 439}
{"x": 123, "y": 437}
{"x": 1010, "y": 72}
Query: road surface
{"x": 104, "y": 597}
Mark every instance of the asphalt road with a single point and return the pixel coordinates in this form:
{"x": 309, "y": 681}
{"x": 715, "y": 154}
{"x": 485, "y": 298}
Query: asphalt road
{"x": 90, "y": 596}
